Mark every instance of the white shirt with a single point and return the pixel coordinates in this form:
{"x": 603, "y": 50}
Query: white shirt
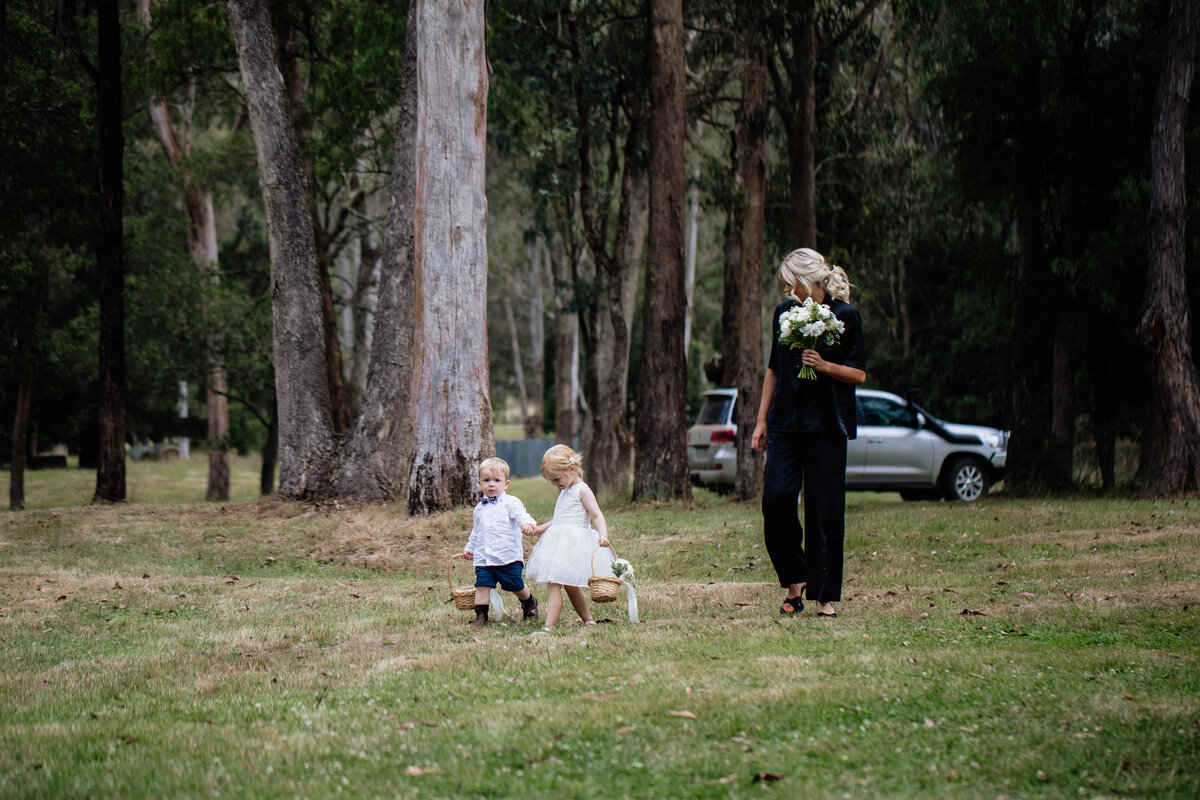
{"x": 496, "y": 532}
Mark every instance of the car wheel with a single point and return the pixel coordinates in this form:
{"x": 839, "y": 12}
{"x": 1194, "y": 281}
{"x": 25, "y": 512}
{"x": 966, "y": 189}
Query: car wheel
{"x": 914, "y": 495}
{"x": 967, "y": 480}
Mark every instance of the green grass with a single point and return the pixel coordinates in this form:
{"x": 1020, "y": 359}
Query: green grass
{"x": 265, "y": 649}
{"x": 146, "y": 482}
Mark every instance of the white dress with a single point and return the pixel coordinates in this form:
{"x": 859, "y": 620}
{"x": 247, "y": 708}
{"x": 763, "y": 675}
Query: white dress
{"x": 563, "y": 554}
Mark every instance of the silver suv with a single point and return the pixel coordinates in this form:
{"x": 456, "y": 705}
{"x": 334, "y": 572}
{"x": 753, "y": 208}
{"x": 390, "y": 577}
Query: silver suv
{"x": 901, "y": 447}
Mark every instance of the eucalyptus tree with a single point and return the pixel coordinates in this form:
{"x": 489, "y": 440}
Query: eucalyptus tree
{"x": 660, "y": 466}
{"x": 806, "y": 44}
{"x": 1026, "y": 101}
{"x": 1171, "y": 448}
{"x": 306, "y": 440}
{"x": 46, "y": 230}
{"x": 583, "y": 67}
{"x": 425, "y": 417}
{"x": 743, "y": 341}
{"x": 339, "y": 61}
{"x": 110, "y": 252}
{"x": 175, "y": 138}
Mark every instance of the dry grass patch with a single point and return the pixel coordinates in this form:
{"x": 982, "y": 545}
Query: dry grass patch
{"x": 279, "y": 649}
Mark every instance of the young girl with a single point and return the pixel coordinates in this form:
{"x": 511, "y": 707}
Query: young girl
{"x": 563, "y": 557}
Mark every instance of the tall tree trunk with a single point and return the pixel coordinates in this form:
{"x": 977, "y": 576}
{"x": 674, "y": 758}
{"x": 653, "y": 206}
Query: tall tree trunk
{"x": 270, "y": 455}
{"x": 110, "y": 473}
{"x": 631, "y": 274}
{"x": 801, "y": 133}
{"x": 426, "y": 417}
{"x": 747, "y": 364}
{"x": 660, "y": 469}
{"x": 362, "y": 310}
{"x": 566, "y": 334}
{"x": 902, "y": 306}
{"x": 1062, "y": 402}
{"x": 1170, "y": 461}
{"x": 537, "y": 340}
{"x": 202, "y": 245}
{"x": 217, "y": 400}
{"x": 611, "y": 444}
{"x": 20, "y": 443}
{"x": 295, "y": 84}
{"x": 606, "y": 435}
{"x": 519, "y": 370}
{"x": 689, "y": 269}
{"x": 1030, "y": 359}
{"x": 731, "y": 303}
{"x": 306, "y": 442}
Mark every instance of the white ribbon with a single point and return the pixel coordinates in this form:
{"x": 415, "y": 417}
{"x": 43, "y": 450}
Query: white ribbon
{"x": 631, "y": 598}
{"x": 497, "y": 604}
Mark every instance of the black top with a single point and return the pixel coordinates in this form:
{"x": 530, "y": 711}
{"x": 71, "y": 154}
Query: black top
{"x": 824, "y": 405}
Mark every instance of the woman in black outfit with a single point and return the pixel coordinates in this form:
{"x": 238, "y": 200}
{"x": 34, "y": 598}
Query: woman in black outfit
{"x": 803, "y": 426}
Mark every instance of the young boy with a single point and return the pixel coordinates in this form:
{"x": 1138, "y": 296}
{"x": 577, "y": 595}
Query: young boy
{"x": 495, "y": 543}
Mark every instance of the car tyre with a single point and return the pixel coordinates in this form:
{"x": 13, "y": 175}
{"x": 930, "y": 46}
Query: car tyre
{"x": 968, "y": 479}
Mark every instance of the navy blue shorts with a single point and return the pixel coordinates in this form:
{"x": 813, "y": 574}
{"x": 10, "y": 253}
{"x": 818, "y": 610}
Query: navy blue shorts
{"x": 507, "y": 575}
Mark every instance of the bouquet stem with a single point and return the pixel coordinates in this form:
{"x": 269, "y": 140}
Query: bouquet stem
{"x": 807, "y": 373}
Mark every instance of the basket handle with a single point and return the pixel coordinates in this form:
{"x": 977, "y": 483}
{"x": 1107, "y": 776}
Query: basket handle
{"x": 450, "y": 566}
{"x": 593, "y": 558}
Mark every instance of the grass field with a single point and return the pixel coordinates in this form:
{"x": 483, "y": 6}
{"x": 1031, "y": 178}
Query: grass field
{"x": 1009, "y": 648}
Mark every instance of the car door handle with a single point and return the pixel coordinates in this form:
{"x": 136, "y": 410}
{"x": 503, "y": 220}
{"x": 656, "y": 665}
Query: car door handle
{"x": 874, "y": 441}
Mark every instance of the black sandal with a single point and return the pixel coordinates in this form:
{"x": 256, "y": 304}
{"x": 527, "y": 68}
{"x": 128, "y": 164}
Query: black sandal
{"x": 791, "y": 605}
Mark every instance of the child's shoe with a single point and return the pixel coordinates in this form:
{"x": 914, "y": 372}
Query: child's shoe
{"x": 529, "y": 607}
{"x": 481, "y": 616}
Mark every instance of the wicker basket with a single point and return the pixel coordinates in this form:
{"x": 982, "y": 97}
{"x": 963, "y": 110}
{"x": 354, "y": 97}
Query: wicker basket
{"x": 463, "y": 596}
{"x": 604, "y": 588}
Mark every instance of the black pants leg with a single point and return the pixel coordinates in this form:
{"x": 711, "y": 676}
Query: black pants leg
{"x": 816, "y": 462}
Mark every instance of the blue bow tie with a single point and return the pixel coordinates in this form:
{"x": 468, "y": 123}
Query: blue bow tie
{"x": 485, "y": 500}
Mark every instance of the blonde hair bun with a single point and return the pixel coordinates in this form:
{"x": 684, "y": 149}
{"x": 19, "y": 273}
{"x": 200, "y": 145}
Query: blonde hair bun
{"x": 808, "y": 268}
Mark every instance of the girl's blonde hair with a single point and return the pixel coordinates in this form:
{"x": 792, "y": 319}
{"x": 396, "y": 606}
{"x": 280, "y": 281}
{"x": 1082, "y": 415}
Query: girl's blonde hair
{"x": 808, "y": 268}
{"x": 559, "y": 460}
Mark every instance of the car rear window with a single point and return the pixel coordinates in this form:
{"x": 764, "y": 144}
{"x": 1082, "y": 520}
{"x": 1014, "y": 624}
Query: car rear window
{"x": 715, "y": 410}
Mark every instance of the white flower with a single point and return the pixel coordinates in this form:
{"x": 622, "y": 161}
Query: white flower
{"x": 813, "y": 329}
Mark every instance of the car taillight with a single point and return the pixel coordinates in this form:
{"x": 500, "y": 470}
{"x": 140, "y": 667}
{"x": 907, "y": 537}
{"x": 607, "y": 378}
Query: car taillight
{"x": 723, "y": 436}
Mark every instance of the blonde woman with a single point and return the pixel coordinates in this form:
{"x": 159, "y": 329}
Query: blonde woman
{"x": 803, "y": 426}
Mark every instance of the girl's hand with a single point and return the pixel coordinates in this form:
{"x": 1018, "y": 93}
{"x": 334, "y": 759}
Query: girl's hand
{"x": 528, "y": 529}
{"x": 758, "y": 441}
{"x": 603, "y": 541}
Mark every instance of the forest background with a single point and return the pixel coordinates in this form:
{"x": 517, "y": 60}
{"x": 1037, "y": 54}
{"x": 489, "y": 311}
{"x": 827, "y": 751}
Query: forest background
{"x": 986, "y": 176}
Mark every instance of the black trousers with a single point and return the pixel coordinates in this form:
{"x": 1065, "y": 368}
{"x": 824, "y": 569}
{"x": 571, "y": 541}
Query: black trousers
{"x": 816, "y": 462}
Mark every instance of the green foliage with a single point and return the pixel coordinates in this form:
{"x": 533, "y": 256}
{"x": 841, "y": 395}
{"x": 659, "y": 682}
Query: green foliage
{"x": 48, "y": 213}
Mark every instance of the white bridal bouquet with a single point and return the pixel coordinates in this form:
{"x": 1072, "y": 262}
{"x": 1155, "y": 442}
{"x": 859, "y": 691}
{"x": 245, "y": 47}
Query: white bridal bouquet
{"x": 808, "y": 326}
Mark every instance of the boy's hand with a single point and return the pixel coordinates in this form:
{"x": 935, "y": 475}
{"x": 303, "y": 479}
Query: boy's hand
{"x": 528, "y": 529}
{"x": 467, "y": 555}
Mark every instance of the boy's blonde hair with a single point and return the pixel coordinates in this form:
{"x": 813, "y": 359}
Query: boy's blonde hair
{"x": 559, "y": 460}
{"x": 493, "y": 465}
